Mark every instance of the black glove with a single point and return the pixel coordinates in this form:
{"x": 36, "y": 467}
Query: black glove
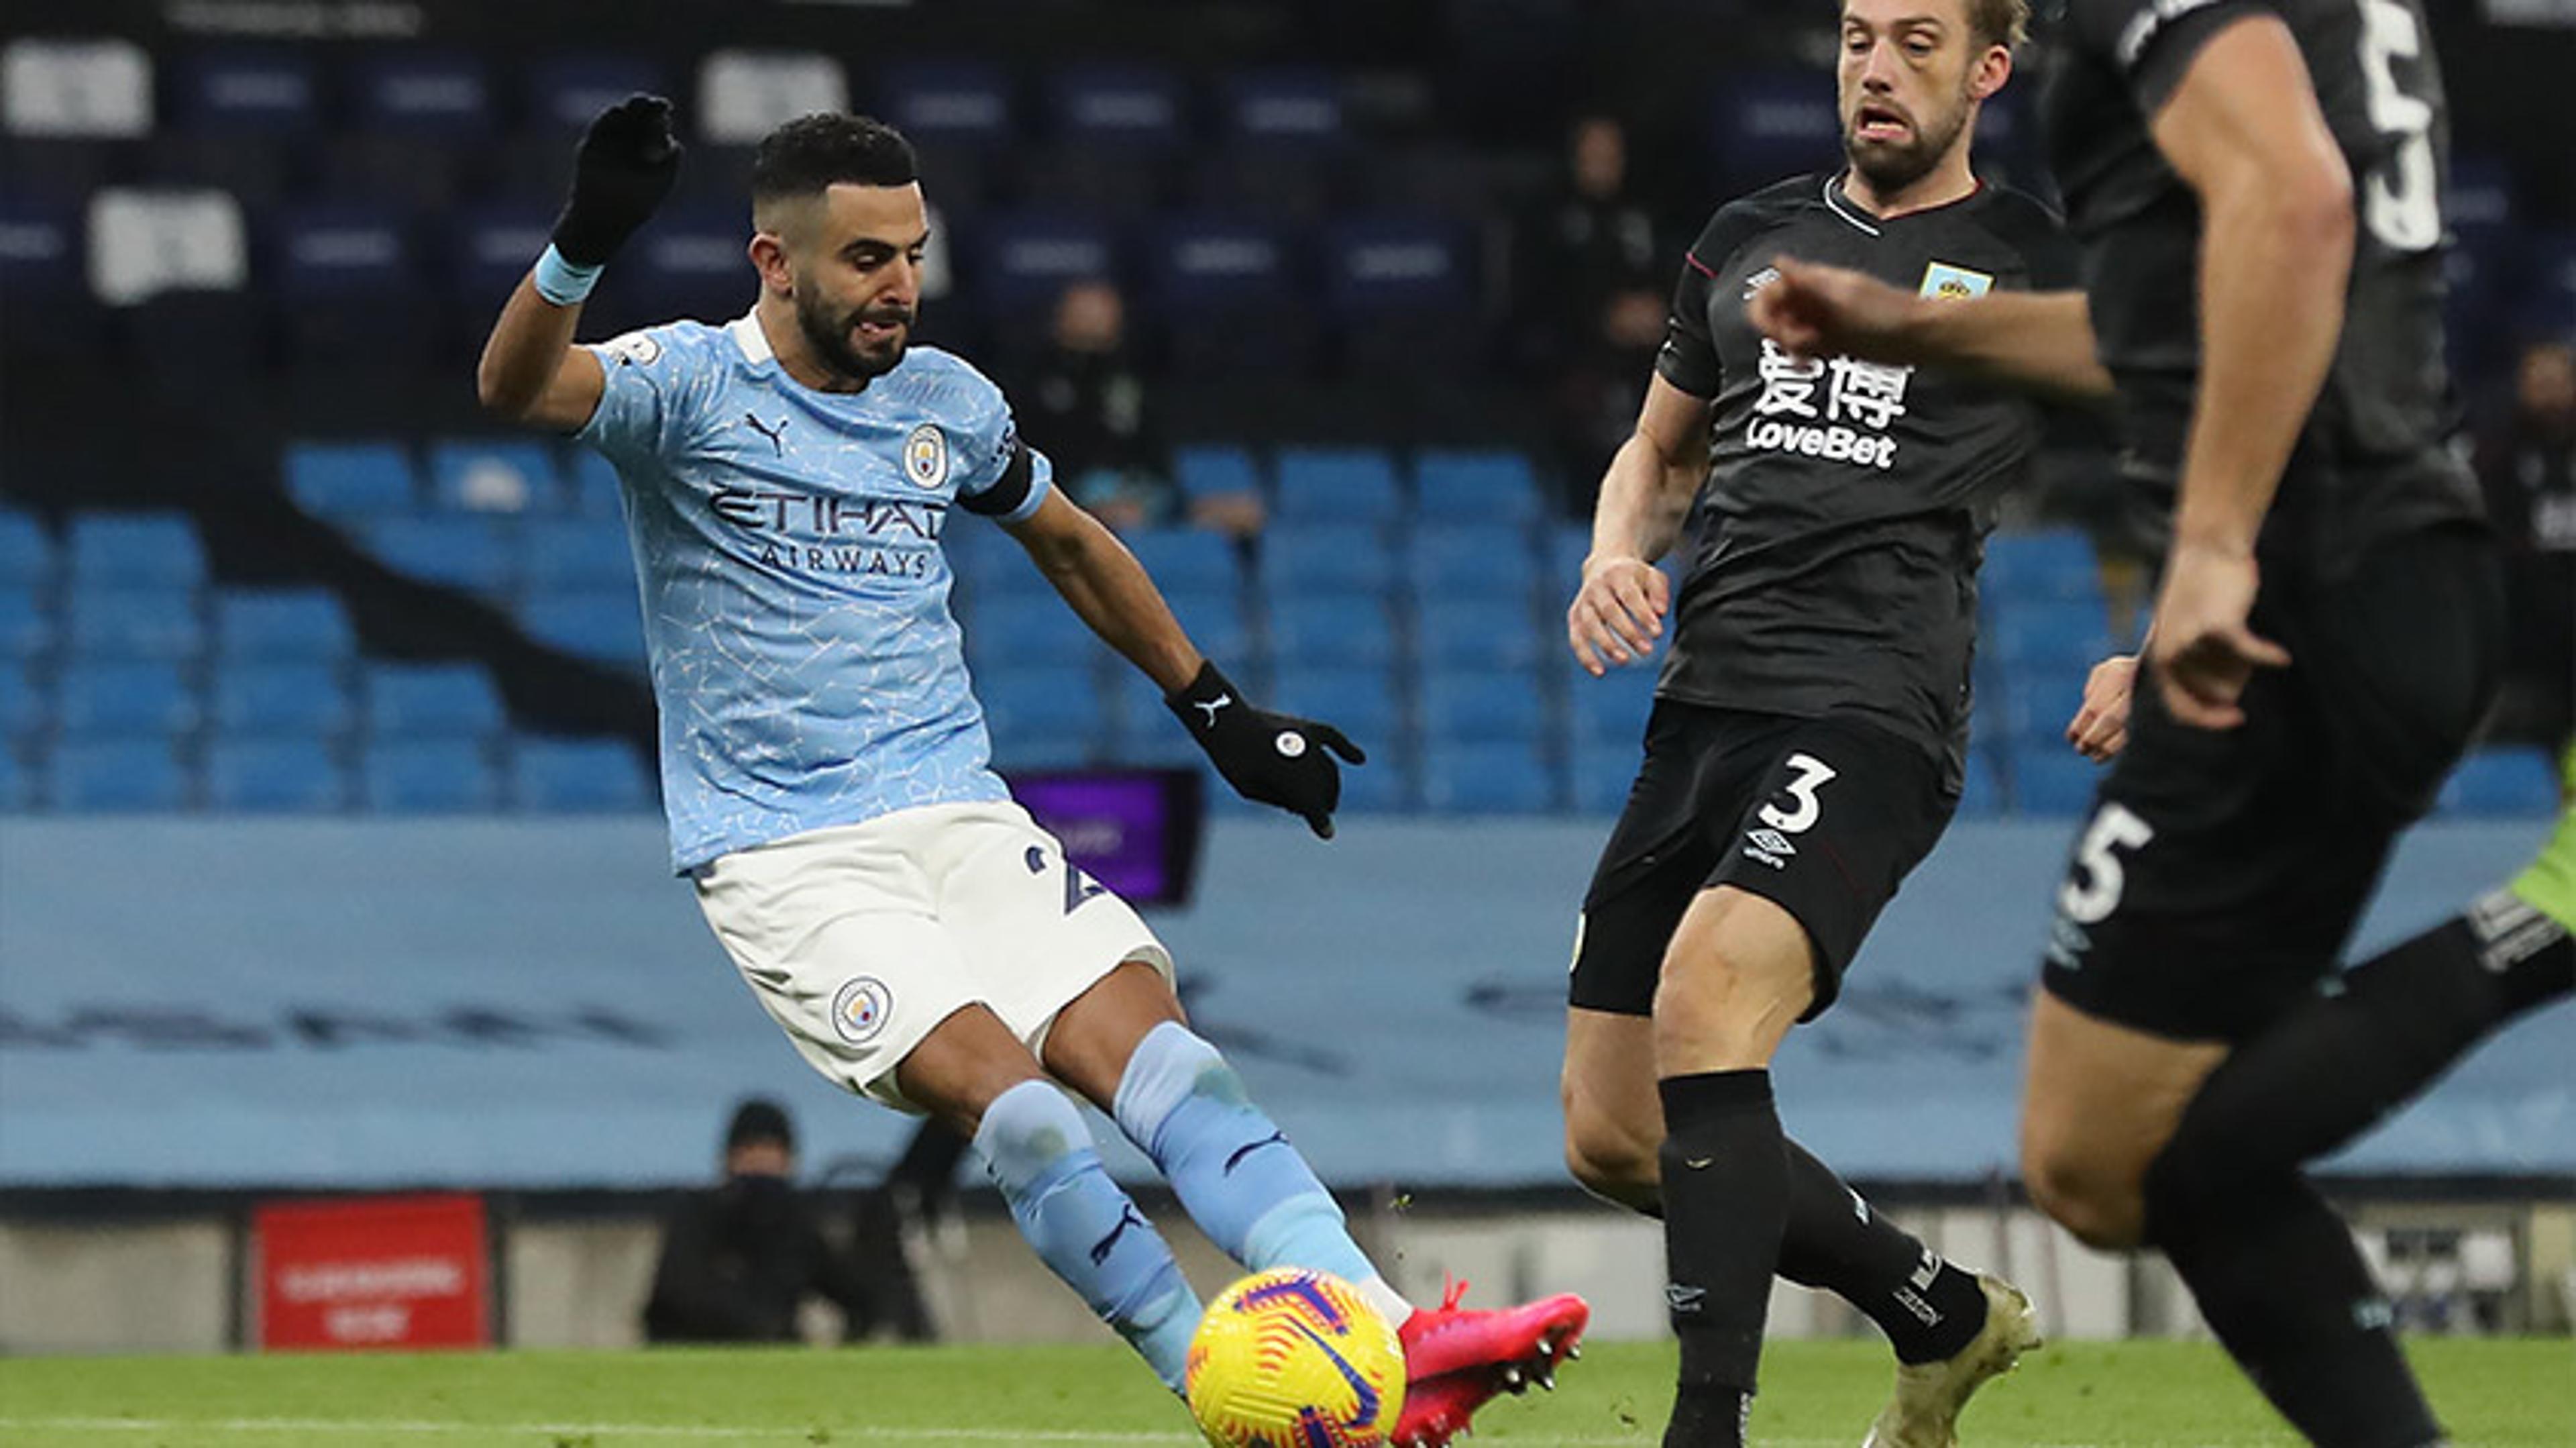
{"x": 622, "y": 171}
{"x": 1268, "y": 758}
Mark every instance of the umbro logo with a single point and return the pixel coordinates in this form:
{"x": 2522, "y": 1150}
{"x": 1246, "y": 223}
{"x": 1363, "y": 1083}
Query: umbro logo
{"x": 777, "y": 435}
{"x": 1684, "y": 1301}
{"x": 1772, "y": 842}
{"x": 1759, "y": 280}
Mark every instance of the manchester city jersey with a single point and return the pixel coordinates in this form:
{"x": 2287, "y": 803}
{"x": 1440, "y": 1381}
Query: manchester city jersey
{"x": 795, "y": 594}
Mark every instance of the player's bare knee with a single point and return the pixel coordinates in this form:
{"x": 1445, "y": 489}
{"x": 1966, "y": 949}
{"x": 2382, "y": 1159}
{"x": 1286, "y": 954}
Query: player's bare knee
{"x": 1610, "y": 1159}
{"x": 2089, "y": 1197}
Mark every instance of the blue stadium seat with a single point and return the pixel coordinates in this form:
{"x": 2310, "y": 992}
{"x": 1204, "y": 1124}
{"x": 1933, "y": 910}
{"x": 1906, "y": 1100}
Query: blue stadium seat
{"x": 1486, "y": 777}
{"x": 1228, "y": 303}
{"x": 2047, "y": 564}
{"x": 2053, "y": 782}
{"x": 1029, "y": 258}
{"x": 342, "y": 250}
{"x": 1042, "y": 714}
{"x": 1361, "y": 702}
{"x": 1015, "y": 629}
{"x": 419, "y": 91}
{"x": 124, "y": 700}
{"x": 241, "y": 93}
{"x": 2034, "y": 707}
{"x": 26, "y": 703}
{"x": 282, "y": 625}
{"x": 495, "y": 475}
{"x": 491, "y": 247}
{"x": 1127, "y": 104}
{"x": 127, "y": 776}
{"x": 135, "y": 551}
{"x": 26, "y": 550}
{"x": 690, "y": 264}
{"x": 954, "y": 104}
{"x": 1309, "y": 630}
{"x": 574, "y": 555}
{"x": 477, "y": 555}
{"x": 435, "y": 776}
{"x": 1187, "y": 559}
{"x": 1568, "y": 544}
{"x": 566, "y": 93}
{"x": 2503, "y": 780}
{"x": 274, "y": 776}
{"x": 1465, "y": 631}
{"x": 27, "y": 625}
{"x": 109, "y": 624}
{"x": 1325, "y": 558}
{"x": 306, "y": 700}
{"x": 1214, "y": 472}
{"x": 1602, "y": 774}
{"x": 1338, "y": 485}
{"x": 566, "y": 776}
{"x": 451, "y": 701}
{"x": 1483, "y": 486}
{"x": 1216, "y": 621}
{"x": 1490, "y": 561}
{"x": 1772, "y": 124}
{"x": 44, "y": 285}
{"x": 352, "y": 479}
{"x": 1402, "y": 290}
{"x": 1283, "y": 105}
{"x": 604, "y": 627}
{"x": 1610, "y": 712}
{"x": 1459, "y": 705}
{"x": 2046, "y": 635}
{"x": 1142, "y": 731}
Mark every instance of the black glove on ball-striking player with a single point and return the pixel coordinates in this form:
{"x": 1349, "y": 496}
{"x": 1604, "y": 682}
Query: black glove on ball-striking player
{"x": 621, "y": 173}
{"x": 1268, "y": 758}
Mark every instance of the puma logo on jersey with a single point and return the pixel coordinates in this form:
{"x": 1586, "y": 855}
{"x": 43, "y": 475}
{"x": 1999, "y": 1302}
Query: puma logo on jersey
{"x": 1212, "y": 705}
{"x": 777, "y": 435}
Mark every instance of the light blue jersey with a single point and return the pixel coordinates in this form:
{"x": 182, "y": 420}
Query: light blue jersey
{"x": 795, "y": 593}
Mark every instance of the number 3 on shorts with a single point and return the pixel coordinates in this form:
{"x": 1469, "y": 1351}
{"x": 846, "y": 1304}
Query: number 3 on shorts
{"x": 1812, "y": 774}
{"x": 2092, "y": 901}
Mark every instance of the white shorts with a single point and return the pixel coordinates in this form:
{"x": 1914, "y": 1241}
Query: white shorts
{"x": 859, "y": 939}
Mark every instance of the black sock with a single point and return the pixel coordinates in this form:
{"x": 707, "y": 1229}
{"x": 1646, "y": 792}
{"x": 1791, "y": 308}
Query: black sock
{"x": 2276, "y": 1273}
{"x": 1726, "y": 1203}
{"x": 2334, "y": 1064}
{"x": 1835, "y": 1240}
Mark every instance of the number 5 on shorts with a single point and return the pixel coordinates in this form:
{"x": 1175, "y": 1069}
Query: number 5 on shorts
{"x": 2092, "y": 901}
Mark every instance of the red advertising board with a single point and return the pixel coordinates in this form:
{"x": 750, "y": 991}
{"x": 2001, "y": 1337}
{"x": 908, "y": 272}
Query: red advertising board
{"x": 373, "y": 1272}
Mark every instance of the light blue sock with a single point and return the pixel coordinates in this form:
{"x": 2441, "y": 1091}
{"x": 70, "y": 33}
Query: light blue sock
{"x": 1086, "y": 1228}
{"x": 1230, "y": 1164}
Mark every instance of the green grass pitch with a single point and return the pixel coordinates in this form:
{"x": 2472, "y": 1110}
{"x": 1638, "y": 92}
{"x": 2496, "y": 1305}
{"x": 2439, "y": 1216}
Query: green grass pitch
{"x": 2493, "y": 1394}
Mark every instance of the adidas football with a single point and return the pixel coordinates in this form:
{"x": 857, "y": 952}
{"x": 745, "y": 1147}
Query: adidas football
{"x": 1295, "y": 1359}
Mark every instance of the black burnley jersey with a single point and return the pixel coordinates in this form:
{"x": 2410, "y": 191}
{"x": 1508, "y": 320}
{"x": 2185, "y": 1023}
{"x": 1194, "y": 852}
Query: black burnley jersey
{"x": 1834, "y": 560}
{"x": 2374, "y": 458}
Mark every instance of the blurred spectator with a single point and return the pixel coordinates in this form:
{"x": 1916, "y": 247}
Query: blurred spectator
{"x": 739, "y": 1261}
{"x": 2527, "y": 464}
{"x": 1088, "y": 410}
{"x": 1594, "y": 239}
{"x": 1601, "y": 384}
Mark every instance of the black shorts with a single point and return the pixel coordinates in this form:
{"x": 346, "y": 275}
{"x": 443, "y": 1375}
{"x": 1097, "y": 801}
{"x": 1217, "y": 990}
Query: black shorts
{"x": 2221, "y": 871}
{"x": 1823, "y": 817}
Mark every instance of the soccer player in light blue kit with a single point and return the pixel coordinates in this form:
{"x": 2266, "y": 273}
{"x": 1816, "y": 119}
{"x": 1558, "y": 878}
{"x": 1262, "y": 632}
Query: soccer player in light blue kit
{"x": 787, "y": 479}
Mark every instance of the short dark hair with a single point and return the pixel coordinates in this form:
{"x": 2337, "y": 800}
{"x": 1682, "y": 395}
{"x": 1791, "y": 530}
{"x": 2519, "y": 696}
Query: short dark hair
{"x": 2000, "y": 22}
{"x": 811, "y": 153}
{"x": 757, "y": 1121}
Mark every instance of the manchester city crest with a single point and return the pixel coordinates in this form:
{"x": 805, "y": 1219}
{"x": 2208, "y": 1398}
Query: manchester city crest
{"x": 925, "y": 456}
{"x": 860, "y": 1009}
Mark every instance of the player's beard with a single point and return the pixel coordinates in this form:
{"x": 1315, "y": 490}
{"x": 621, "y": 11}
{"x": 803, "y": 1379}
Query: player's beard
{"x": 828, "y": 332}
{"x": 1891, "y": 166}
